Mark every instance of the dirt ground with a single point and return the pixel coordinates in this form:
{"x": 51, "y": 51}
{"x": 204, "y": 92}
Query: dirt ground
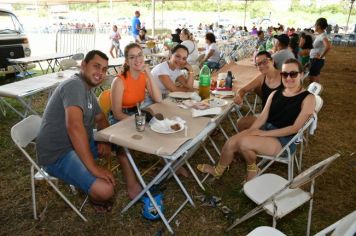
{"x": 335, "y": 191}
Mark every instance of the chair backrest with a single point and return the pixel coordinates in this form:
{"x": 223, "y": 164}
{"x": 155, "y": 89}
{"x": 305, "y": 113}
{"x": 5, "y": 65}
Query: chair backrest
{"x": 347, "y": 226}
{"x": 318, "y": 103}
{"x": 104, "y": 101}
{"x": 26, "y": 130}
{"x": 78, "y": 56}
{"x": 315, "y": 88}
{"x": 312, "y": 172}
{"x": 67, "y": 63}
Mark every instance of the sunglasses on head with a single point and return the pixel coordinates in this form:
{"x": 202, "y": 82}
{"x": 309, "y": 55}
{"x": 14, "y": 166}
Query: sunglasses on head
{"x": 292, "y": 74}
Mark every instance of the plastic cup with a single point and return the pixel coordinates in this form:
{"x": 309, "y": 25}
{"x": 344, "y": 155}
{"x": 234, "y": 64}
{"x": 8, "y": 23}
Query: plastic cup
{"x": 140, "y": 121}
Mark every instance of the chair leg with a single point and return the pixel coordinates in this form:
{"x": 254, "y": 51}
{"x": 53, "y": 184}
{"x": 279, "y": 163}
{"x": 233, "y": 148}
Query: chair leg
{"x": 310, "y": 206}
{"x": 34, "y": 206}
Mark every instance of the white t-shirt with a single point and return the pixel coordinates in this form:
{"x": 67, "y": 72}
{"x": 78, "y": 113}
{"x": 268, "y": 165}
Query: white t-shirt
{"x": 216, "y": 55}
{"x": 163, "y": 69}
{"x": 193, "y": 51}
{"x": 318, "y": 45}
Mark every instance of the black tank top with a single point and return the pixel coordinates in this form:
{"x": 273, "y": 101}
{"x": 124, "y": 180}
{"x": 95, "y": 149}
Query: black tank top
{"x": 285, "y": 110}
{"x": 266, "y": 91}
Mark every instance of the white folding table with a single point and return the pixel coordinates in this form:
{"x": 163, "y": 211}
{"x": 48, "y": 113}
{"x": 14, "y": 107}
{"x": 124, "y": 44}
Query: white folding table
{"x": 24, "y": 90}
{"x": 20, "y": 64}
{"x": 171, "y": 147}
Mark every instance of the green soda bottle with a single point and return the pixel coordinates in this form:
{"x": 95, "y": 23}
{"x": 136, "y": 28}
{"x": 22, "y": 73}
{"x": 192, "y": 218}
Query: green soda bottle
{"x": 204, "y": 82}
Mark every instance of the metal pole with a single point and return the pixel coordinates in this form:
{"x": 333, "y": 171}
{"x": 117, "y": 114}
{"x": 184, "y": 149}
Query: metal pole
{"x": 348, "y": 18}
{"x": 153, "y": 17}
{"x": 245, "y": 12}
{"x": 218, "y": 2}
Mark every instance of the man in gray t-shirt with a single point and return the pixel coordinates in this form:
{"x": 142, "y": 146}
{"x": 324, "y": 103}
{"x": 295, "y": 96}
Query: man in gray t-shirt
{"x": 283, "y": 53}
{"x": 65, "y": 146}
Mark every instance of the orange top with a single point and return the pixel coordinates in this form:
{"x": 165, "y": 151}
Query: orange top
{"x": 134, "y": 90}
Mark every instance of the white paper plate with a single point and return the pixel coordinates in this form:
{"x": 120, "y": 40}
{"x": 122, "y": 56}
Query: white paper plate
{"x": 164, "y": 126}
{"x": 182, "y": 95}
{"x": 217, "y": 102}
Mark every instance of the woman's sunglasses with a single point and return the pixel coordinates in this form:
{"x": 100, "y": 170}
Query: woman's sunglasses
{"x": 292, "y": 74}
{"x": 263, "y": 62}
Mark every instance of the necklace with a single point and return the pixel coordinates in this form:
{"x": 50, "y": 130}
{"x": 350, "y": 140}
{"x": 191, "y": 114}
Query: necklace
{"x": 89, "y": 99}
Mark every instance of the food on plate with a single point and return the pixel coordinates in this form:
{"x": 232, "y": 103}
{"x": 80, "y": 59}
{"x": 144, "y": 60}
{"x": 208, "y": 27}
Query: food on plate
{"x": 175, "y": 127}
{"x": 159, "y": 116}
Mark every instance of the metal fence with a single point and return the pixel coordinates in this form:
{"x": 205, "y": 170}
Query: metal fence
{"x": 75, "y": 40}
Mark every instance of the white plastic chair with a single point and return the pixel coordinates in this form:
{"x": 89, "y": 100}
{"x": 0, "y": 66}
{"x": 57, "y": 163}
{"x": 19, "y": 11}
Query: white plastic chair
{"x": 23, "y": 134}
{"x": 285, "y": 155}
{"x": 278, "y": 196}
{"x": 78, "y": 56}
{"x": 315, "y": 88}
{"x": 266, "y": 230}
{"x": 346, "y": 227}
{"x": 69, "y": 63}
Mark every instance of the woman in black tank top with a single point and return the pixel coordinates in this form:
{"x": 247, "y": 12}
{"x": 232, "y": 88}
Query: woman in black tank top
{"x": 285, "y": 113}
{"x": 263, "y": 85}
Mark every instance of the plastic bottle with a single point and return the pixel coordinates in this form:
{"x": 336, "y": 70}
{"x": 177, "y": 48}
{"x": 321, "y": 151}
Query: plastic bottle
{"x": 228, "y": 80}
{"x": 204, "y": 82}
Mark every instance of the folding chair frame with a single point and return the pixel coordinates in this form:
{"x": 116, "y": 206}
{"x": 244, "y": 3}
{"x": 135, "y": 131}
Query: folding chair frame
{"x": 307, "y": 176}
{"x": 34, "y": 166}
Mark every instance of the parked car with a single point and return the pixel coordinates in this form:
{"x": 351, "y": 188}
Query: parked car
{"x": 13, "y": 41}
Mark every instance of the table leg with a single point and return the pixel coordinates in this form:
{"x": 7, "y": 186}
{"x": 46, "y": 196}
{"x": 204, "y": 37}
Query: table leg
{"x": 146, "y": 190}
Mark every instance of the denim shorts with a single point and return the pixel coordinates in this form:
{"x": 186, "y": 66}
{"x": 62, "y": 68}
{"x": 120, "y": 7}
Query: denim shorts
{"x": 315, "y": 66}
{"x": 282, "y": 140}
{"x": 72, "y": 170}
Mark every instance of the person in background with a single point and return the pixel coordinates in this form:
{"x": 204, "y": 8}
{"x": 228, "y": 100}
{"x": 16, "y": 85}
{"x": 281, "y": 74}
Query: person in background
{"x": 321, "y": 46}
{"x": 188, "y": 41}
{"x": 263, "y": 85}
{"x": 282, "y": 52}
{"x": 212, "y": 53}
{"x": 128, "y": 90}
{"x": 141, "y": 37}
{"x": 261, "y": 41}
{"x": 176, "y": 36}
{"x": 168, "y": 73}
{"x": 285, "y": 112}
{"x": 115, "y": 43}
{"x": 305, "y": 45}
{"x": 336, "y": 29}
{"x": 294, "y": 44}
{"x": 65, "y": 144}
{"x": 136, "y": 25}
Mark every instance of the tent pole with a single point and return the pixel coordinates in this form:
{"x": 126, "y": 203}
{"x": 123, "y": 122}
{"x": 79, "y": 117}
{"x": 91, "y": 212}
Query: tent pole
{"x": 245, "y": 12}
{"x": 153, "y": 17}
{"x": 348, "y": 18}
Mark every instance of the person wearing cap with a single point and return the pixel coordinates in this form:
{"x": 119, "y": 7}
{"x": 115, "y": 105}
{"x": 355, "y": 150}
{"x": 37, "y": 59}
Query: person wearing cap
{"x": 282, "y": 53}
{"x": 136, "y": 25}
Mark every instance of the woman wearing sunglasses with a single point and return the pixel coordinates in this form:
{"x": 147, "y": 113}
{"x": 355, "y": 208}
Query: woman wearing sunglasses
{"x": 285, "y": 113}
{"x": 127, "y": 90}
{"x": 263, "y": 85}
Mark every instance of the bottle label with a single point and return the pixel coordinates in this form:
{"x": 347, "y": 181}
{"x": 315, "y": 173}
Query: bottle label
{"x": 204, "y": 80}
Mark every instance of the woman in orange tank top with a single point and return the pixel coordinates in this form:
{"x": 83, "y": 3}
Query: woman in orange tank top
{"x": 127, "y": 90}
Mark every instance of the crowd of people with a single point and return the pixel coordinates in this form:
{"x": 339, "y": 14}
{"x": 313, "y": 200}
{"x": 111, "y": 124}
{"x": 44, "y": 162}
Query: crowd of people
{"x": 65, "y": 145}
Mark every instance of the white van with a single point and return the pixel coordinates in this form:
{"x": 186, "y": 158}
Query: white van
{"x": 13, "y": 42}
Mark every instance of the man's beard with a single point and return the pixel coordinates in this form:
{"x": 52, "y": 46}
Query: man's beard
{"x": 89, "y": 82}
